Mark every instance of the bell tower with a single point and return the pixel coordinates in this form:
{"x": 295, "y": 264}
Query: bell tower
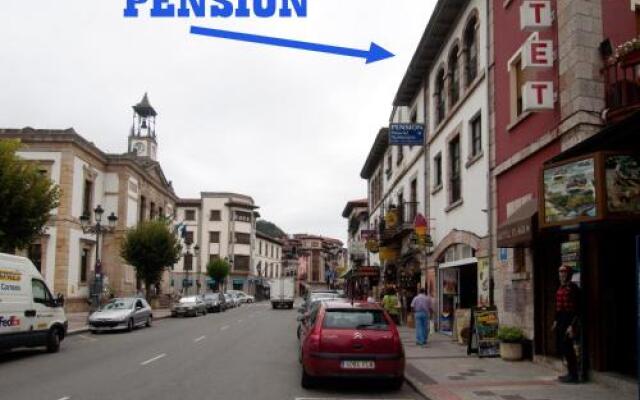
{"x": 142, "y": 139}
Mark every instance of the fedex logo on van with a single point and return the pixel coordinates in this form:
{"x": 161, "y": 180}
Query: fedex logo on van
{"x": 9, "y": 276}
{"x": 7, "y": 323}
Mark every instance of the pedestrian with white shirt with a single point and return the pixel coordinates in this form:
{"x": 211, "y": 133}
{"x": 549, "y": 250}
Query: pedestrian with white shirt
{"x": 422, "y": 306}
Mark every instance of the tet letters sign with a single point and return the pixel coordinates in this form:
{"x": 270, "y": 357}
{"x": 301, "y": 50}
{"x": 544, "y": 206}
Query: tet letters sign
{"x": 536, "y": 15}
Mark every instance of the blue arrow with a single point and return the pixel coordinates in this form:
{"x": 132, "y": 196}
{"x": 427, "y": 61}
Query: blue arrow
{"x": 375, "y": 52}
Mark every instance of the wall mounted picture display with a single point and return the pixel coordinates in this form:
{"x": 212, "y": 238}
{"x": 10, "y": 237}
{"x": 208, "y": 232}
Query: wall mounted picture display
{"x": 623, "y": 183}
{"x": 570, "y": 191}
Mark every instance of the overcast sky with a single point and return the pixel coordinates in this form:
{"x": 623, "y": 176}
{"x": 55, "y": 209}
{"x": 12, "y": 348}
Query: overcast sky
{"x": 290, "y": 128}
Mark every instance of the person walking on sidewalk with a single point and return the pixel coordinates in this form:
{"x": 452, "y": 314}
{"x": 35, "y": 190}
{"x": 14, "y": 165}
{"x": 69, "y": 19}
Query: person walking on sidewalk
{"x": 422, "y": 306}
{"x": 566, "y": 322}
{"x": 390, "y": 304}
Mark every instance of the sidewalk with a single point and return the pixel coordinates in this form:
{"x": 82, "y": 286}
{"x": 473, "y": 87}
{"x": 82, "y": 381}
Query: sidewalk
{"x": 78, "y": 321}
{"x": 443, "y": 371}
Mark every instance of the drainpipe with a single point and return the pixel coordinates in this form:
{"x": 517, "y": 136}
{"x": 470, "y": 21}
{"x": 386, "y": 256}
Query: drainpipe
{"x": 489, "y": 61}
{"x": 426, "y": 152}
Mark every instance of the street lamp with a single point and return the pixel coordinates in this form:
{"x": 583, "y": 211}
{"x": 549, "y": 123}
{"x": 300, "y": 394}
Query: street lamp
{"x": 196, "y": 251}
{"x": 187, "y": 255}
{"x": 98, "y": 229}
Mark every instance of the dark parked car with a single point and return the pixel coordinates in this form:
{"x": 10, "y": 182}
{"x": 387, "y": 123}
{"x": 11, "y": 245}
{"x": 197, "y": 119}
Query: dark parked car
{"x": 192, "y": 305}
{"x": 215, "y": 302}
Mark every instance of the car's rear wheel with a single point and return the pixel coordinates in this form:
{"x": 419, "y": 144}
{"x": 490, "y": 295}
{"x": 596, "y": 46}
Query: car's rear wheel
{"x": 130, "y": 325}
{"x": 53, "y": 341}
{"x": 307, "y": 381}
{"x": 396, "y": 383}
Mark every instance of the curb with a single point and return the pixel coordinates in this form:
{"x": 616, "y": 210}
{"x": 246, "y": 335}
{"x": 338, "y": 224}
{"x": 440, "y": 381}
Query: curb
{"x": 85, "y": 328}
{"x": 415, "y": 386}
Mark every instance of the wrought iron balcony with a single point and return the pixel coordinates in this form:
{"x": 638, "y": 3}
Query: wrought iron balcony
{"x": 622, "y": 81}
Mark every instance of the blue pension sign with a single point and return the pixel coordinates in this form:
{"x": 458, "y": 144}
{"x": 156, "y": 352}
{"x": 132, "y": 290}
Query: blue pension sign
{"x": 406, "y": 134}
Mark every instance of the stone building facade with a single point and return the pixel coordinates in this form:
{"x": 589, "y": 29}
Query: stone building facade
{"x": 131, "y": 186}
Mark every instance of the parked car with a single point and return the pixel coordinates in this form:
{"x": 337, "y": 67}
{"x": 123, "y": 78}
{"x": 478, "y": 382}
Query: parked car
{"x": 351, "y": 340}
{"x": 307, "y": 309}
{"x": 231, "y": 300}
{"x": 214, "y": 301}
{"x": 121, "y": 314}
{"x": 192, "y": 305}
{"x": 29, "y": 315}
{"x": 242, "y": 296}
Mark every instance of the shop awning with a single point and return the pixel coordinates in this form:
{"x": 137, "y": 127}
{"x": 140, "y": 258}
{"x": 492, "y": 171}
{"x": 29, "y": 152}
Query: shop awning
{"x": 346, "y": 274}
{"x": 519, "y": 228}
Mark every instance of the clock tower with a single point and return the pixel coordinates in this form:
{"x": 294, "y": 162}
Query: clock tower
{"x": 142, "y": 139}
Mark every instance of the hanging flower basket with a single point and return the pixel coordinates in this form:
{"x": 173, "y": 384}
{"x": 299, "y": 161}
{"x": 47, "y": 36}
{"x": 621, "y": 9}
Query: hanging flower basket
{"x": 628, "y": 53}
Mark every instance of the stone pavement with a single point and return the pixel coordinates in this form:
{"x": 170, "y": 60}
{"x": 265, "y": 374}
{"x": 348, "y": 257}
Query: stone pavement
{"x": 443, "y": 371}
{"x": 78, "y": 321}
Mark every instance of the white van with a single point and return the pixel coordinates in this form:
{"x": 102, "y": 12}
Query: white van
{"x": 29, "y": 315}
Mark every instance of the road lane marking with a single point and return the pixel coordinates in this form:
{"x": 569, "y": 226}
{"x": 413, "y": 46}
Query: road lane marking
{"x": 90, "y": 339}
{"x": 224, "y": 328}
{"x": 64, "y": 398}
{"x": 199, "y": 339}
{"x": 156, "y": 358}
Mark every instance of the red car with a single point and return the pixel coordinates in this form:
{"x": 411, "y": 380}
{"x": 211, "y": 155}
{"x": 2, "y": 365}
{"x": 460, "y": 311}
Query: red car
{"x": 351, "y": 340}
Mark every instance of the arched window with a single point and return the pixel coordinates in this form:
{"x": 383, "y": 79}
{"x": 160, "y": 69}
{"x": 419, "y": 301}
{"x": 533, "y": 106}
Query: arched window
{"x": 454, "y": 77}
{"x": 440, "y": 96}
{"x": 471, "y": 51}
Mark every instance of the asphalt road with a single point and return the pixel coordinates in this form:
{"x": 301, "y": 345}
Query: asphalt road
{"x": 245, "y": 353}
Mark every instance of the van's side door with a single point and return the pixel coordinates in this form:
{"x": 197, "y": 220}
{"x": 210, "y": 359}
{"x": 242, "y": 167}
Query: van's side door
{"x": 44, "y": 309}
{"x": 15, "y": 298}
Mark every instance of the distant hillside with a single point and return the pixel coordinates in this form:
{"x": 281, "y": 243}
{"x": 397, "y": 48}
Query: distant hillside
{"x": 270, "y": 229}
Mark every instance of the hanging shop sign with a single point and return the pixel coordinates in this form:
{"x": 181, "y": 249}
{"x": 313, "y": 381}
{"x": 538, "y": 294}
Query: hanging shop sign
{"x": 537, "y": 54}
{"x": 357, "y": 248}
{"x": 537, "y": 96}
{"x": 406, "y": 134}
{"x": 391, "y": 218}
{"x": 388, "y": 254}
{"x": 535, "y": 15}
{"x": 368, "y": 234}
{"x": 373, "y": 246}
{"x": 368, "y": 271}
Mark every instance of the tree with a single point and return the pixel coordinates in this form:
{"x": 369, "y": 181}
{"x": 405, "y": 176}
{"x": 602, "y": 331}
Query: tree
{"x": 218, "y": 270}
{"x": 270, "y": 229}
{"x": 27, "y": 199}
{"x": 151, "y": 247}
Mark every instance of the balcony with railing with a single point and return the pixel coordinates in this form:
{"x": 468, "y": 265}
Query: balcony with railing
{"x": 398, "y": 221}
{"x": 622, "y": 81}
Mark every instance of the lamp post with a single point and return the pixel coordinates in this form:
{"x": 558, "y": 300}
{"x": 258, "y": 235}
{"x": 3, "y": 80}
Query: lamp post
{"x": 196, "y": 251}
{"x": 98, "y": 229}
{"x": 187, "y": 268}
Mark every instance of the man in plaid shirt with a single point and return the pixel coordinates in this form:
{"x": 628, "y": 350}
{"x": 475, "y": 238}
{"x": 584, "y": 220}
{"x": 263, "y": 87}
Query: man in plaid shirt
{"x": 566, "y": 322}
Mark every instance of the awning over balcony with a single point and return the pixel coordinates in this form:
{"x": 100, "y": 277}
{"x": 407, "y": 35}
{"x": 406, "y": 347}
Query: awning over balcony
{"x": 518, "y": 230}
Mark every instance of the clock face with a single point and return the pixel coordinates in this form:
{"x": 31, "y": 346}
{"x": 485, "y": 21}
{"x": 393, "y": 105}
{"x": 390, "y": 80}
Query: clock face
{"x": 139, "y": 147}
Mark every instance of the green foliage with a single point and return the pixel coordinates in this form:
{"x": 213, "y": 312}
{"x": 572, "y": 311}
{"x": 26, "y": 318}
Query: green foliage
{"x": 27, "y": 198}
{"x": 218, "y": 270}
{"x": 270, "y": 229}
{"x": 510, "y": 334}
{"x": 151, "y": 247}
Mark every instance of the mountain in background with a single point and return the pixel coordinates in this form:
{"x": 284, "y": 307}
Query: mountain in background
{"x": 270, "y": 229}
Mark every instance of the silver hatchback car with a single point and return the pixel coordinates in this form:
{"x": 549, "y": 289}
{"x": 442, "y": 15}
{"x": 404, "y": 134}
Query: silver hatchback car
{"x": 121, "y": 314}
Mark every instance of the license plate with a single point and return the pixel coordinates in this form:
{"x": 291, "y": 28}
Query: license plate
{"x": 358, "y": 365}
